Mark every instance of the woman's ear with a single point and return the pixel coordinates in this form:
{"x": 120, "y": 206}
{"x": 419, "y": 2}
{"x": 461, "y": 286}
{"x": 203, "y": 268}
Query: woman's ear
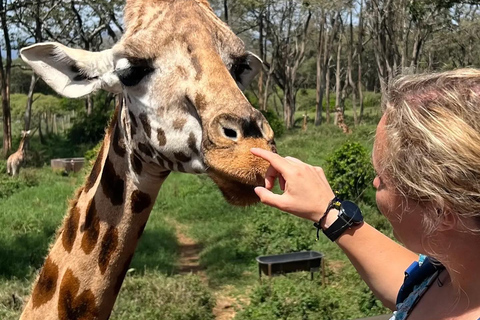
{"x": 449, "y": 220}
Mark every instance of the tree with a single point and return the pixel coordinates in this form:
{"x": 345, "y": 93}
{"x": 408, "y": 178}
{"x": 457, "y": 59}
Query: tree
{"x": 5, "y": 70}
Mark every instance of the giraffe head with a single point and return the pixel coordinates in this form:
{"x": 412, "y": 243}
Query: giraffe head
{"x": 181, "y": 72}
{"x": 26, "y": 134}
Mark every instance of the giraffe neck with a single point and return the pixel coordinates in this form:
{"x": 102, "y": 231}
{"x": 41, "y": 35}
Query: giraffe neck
{"x": 22, "y": 145}
{"x": 86, "y": 265}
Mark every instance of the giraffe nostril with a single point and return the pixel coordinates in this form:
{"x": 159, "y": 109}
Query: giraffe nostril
{"x": 230, "y": 133}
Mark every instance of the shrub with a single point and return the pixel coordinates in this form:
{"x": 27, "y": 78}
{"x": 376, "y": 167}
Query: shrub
{"x": 89, "y": 129}
{"x": 277, "y": 125}
{"x": 350, "y": 171}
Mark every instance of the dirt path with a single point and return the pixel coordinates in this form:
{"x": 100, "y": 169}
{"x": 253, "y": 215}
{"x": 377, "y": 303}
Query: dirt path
{"x": 189, "y": 262}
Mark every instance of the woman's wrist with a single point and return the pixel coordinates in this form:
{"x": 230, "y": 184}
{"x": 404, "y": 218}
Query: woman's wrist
{"x": 329, "y": 219}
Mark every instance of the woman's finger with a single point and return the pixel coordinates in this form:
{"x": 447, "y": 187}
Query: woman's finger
{"x": 278, "y": 162}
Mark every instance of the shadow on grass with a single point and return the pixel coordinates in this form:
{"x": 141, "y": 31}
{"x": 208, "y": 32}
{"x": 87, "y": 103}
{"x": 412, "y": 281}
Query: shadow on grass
{"x": 226, "y": 260}
{"x": 20, "y": 256}
{"x": 156, "y": 250}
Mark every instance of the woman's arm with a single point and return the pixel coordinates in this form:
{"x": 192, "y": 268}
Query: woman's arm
{"x": 380, "y": 261}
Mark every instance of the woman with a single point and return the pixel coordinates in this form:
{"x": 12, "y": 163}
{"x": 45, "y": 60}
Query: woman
{"x": 427, "y": 161}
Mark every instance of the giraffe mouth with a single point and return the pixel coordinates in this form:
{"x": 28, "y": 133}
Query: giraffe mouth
{"x": 237, "y": 172}
{"x": 235, "y": 192}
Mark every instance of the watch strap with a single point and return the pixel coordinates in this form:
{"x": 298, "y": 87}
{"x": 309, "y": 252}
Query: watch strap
{"x": 337, "y": 228}
{"x": 335, "y": 203}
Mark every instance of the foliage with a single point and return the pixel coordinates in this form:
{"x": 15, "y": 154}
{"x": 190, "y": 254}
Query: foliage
{"x": 91, "y": 154}
{"x": 89, "y": 129}
{"x": 275, "y": 122}
{"x": 350, "y": 171}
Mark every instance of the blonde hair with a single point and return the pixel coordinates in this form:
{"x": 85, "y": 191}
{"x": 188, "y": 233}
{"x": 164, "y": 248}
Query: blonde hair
{"x": 433, "y": 143}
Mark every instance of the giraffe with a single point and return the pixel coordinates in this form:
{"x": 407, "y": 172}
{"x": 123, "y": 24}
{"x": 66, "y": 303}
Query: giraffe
{"x": 15, "y": 161}
{"x": 341, "y": 121}
{"x": 179, "y": 71}
{"x": 305, "y": 122}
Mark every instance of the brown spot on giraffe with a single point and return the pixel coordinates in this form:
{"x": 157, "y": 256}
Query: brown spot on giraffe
{"x": 91, "y": 228}
{"x": 182, "y": 72}
{"x": 113, "y": 186}
{"x": 180, "y": 156}
{"x": 180, "y": 167}
{"x": 136, "y": 164}
{"x": 133, "y": 120}
{"x": 198, "y": 67}
{"x": 179, "y": 123}
{"x": 161, "y": 137}
{"x": 145, "y": 149}
{"x": 119, "y": 143}
{"x": 169, "y": 163}
{"x": 107, "y": 248}
{"x": 70, "y": 229}
{"x": 46, "y": 285}
{"x": 192, "y": 143}
{"x": 146, "y": 124}
{"x": 200, "y": 101}
{"x": 97, "y": 167}
{"x": 74, "y": 306}
{"x": 140, "y": 201}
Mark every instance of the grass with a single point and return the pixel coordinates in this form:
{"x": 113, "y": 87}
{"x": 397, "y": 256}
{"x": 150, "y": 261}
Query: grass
{"x": 231, "y": 238}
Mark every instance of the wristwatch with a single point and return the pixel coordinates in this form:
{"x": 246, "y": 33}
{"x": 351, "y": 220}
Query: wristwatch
{"x": 349, "y": 215}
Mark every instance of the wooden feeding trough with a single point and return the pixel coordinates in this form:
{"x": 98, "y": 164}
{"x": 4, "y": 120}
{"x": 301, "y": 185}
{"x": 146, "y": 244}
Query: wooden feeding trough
{"x": 67, "y": 164}
{"x": 290, "y": 262}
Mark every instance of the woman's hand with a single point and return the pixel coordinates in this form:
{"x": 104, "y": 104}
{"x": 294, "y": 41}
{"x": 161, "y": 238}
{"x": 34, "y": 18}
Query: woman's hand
{"x": 306, "y": 191}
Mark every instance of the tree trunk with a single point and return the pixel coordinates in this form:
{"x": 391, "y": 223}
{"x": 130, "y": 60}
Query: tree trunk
{"x": 349, "y": 80}
{"x": 320, "y": 84}
{"x": 327, "y": 94}
{"x": 338, "y": 85}
{"x": 5, "y": 86}
{"x": 40, "y": 133}
{"x": 360, "y": 61}
{"x": 28, "y": 108}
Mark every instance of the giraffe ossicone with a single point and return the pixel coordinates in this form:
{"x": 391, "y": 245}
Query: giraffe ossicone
{"x": 178, "y": 71}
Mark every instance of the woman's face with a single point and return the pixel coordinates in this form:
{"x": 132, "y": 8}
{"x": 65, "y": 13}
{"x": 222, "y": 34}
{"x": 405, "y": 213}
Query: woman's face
{"x": 405, "y": 215}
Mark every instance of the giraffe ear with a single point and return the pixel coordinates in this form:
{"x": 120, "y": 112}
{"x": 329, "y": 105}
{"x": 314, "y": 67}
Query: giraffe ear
{"x": 248, "y": 71}
{"x": 73, "y": 73}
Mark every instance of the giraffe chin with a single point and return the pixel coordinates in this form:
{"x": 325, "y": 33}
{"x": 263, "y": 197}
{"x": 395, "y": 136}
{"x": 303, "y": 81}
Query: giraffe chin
{"x": 235, "y": 192}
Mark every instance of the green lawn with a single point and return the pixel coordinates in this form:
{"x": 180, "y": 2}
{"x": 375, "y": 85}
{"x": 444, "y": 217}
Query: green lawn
{"x": 32, "y": 208}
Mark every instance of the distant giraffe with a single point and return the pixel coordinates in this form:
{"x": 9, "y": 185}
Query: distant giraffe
{"x": 15, "y": 161}
{"x": 179, "y": 70}
{"x": 305, "y": 122}
{"x": 341, "y": 121}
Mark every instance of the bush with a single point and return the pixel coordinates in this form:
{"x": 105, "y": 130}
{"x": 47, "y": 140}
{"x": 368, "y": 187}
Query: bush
{"x": 274, "y": 233}
{"x": 277, "y": 125}
{"x": 91, "y": 155}
{"x": 350, "y": 171}
{"x": 89, "y": 129}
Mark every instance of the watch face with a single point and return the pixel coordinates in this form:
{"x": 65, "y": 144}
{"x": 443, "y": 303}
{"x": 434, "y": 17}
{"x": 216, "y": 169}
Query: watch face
{"x": 351, "y": 212}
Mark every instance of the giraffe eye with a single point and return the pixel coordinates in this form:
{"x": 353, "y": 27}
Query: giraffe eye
{"x": 135, "y": 72}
